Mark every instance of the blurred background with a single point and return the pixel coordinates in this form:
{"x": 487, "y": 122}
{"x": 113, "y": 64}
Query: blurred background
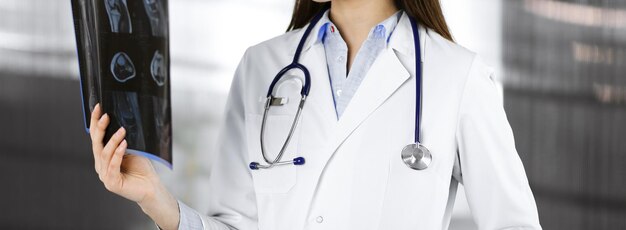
{"x": 562, "y": 64}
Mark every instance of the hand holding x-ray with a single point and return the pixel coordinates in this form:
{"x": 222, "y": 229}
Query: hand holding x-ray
{"x": 130, "y": 176}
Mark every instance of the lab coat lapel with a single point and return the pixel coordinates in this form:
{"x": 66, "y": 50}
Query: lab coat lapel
{"x": 319, "y": 107}
{"x": 385, "y": 76}
{"x": 383, "y": 79}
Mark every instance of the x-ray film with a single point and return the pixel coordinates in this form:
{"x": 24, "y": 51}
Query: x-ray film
{"x": 123, "y": 53}
{"x": 157, "y": 16}
{"x": 157, "y": 70}
{"x": 119, "y": 18}
{"x": 122, "y": 68}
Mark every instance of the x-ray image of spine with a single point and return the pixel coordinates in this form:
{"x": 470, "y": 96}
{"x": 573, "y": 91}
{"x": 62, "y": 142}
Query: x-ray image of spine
{"x": 162, "y": 128}
{"x": 127, "y": 114}
{"x": 158, "y": 20}
{"x": 119, "y": 17}
{"x": 157, "y": 69}
{"x": 122, "y": 67}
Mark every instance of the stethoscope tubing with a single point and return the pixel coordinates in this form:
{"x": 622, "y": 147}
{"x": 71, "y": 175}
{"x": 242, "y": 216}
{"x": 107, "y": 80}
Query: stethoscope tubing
{"x": 294, "y": 124}
{"x": 418, "y": 79}
{"x": 304, "y": 92}
{"x": 306, "y": 87}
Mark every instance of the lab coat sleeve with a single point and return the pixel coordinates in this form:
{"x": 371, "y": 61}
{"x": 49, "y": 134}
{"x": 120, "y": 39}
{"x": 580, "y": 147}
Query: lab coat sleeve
{"x": 495, "y": 182}
{"x": 231, "y": 196}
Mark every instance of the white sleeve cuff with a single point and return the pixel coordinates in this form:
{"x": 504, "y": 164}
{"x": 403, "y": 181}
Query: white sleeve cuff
{"x": 189, "y": 218}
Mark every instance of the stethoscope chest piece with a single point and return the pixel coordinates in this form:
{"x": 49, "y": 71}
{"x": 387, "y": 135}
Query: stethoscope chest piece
{"x": 416, "y": 156}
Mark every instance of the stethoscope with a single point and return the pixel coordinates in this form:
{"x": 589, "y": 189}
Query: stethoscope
{"x": 416, "y": 156}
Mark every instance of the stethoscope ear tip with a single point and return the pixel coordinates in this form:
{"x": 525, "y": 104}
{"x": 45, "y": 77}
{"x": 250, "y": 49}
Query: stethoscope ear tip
{"x": 298, "y": 161}
{"x": 254, "y": 165}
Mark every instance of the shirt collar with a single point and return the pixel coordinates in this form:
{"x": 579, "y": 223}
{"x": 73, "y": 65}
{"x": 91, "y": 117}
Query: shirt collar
{"x": 399, "y": 41}
{"x": 384, "y": 28}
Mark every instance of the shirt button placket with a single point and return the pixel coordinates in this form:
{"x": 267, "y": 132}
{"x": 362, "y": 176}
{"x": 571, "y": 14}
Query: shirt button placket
{"x": 341, "y": 58}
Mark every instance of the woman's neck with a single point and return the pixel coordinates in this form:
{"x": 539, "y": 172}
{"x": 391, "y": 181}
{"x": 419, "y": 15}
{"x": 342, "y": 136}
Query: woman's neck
{"x": 355, "y": 19}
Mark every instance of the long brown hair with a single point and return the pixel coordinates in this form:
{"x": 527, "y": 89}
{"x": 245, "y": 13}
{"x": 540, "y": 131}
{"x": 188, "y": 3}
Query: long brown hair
{"x": 427, "y": 12}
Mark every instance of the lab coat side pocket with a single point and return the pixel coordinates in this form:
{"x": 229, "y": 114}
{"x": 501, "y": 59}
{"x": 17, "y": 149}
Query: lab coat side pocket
{"x": 278, "y": 179}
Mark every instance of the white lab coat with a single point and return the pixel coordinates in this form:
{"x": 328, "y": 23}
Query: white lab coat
{"x": 354, "y": 177}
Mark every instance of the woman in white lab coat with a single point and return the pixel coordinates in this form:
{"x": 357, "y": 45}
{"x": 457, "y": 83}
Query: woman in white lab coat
{"x": 354, "y": 176}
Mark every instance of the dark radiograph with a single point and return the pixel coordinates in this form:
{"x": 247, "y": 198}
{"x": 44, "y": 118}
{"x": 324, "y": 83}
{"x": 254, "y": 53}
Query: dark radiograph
{"x": 119, "y": 18}
{"x": 124, "y": 64}
{"x": 157, "y": 70}
{"x": 126, "y": 108}
{"x": 162, "y": 125}
{"x": 156, "y": 13}
{"x": 122, "y": 67}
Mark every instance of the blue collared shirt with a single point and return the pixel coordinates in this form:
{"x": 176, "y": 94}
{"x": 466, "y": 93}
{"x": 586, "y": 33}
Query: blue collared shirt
{"x": 344, "y": 84}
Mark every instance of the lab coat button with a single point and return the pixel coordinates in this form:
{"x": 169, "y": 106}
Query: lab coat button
{"x": 319, "y": 219}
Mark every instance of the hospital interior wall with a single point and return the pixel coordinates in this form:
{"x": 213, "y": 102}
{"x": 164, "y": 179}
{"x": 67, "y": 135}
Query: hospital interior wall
{"x": 565, "y": 94}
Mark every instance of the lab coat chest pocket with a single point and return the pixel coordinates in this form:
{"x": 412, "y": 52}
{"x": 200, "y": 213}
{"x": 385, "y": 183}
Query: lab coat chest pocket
{"x": 278, "y": 179}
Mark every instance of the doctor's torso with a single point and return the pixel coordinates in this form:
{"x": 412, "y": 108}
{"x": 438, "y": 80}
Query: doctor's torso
{"x": 354, "y": 177}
